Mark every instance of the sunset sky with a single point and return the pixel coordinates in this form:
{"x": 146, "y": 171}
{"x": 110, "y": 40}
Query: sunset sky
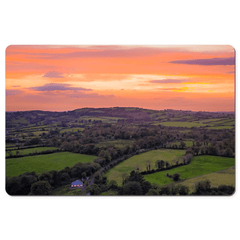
{"x": 62, "y": 78}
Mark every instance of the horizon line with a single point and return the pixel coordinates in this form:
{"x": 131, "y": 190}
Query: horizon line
{"x": 123, "y": 107}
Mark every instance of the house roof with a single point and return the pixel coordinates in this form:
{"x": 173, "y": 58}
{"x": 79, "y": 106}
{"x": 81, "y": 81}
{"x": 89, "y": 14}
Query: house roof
{"x": 77, "y": 182}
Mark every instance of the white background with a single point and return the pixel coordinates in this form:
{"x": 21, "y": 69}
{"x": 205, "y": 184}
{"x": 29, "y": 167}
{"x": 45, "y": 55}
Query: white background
{"x": 118, "y": 22}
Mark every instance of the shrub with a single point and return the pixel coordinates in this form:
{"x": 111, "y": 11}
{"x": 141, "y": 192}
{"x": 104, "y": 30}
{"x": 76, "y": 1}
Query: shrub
{"x": 176, "y": 177}
{"x": 41, "y": 188}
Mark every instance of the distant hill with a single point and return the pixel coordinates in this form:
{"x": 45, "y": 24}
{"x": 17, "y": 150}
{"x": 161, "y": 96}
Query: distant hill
{"x": 130, "y": 114}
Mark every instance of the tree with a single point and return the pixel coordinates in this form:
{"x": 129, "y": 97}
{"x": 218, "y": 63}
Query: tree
{"x": 188, "y": 158}
{"x": 183, "y": 190}
{"x": 148, "y": 165}
{"x": 113, "y": 184}
{"x": 93, "y": 189}
{"x": 13, "y": 186}
{"x": 202, "y": 186}
{"x": 167, "y": 164}
{"x": 84, "y": 175}
{"x": 55, "y": 179}
{"x": 182, "y": 144}
{"x": 135, "y": 176}
{"x": 176, "y": 177}
{"x": 177, "y": 160}
{"x": 159, "y": 164}
{"x": 132, "y": 188}
{"x": 65, "y": 177}
{"x": 41, "y": 188}
{"x": 45, "y": 176}
{"x": 152, "y": 192}
{"x": 145, "y": 187}
{"x": 25, "y": 184}
{"x": 228, "y": 152}
{"x": 9, "y": 151}
{"x": 124, "y": 177}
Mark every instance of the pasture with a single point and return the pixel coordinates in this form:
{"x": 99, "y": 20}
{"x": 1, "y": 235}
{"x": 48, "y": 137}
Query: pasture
{"x": 44, "y": 162}
{"x": 76, "y": 129}
{"x": 30, "y": 150}
{"x": 199, "y": 166}
{"x": 183, "y": 124}
{"x": 223, "y": 177}
{"x": 220, "y": 127}
{"x": 139, "y": 161}
{"x": 212, "y": 123}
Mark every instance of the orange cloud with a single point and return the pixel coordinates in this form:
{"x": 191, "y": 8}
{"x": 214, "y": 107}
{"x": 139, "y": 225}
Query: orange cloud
{"x": 190, "y": 72}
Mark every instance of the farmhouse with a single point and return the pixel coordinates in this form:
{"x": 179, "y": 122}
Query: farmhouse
{"x": 77, "y": 184}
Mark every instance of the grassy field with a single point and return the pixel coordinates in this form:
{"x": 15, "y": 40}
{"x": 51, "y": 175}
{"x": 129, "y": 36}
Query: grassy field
{"x": 37, "y": 133}
{"x": 211, "y": 123}
{"x": 139, "y": 161}
{"x": 223, "y": 177}
{"x": 109, "y": 193}
{"x": 183, "y": 124}
{"x": 31, "y": 150}
{"x": 199, "y": 166}
{"x": 72, "y": 130}
{"x": 103, "y": 119}
{"x": 220, "y": 127}
{"x": 45, "y": 162}
{"x": 10, "y": 145}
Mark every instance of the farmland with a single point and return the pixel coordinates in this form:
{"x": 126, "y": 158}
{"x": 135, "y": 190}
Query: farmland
{"x": 200, "y": 165}
{"x": 139, "y": 161}
{"x": 40, "y": 163}
{"x": 223, "y": 177}
{"x": 112, "y": 149}
{"x": 30, "y": 150}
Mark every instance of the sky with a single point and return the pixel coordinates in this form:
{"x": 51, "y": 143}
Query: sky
{"x": 64, "y": 78}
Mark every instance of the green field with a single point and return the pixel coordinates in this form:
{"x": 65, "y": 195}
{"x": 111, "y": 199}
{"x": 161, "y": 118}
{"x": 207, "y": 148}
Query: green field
{"x": 37, "y": 133}
{"x": 31, "y": 150}
{"x": 139, "y": 161}
{"x": 183, "y": 124}
{"x": 220, "y": 127}
{"x": 10, "y": 145}
{"x": 45, "y": 162}
{"x": 199, "y": 166}
{"x": 211, "y": 123}
{"x": 72, "y": 130}
{"x": 103, "y": 119}
{"x": 223, "y": 177}
{"x": 109, "y": 193}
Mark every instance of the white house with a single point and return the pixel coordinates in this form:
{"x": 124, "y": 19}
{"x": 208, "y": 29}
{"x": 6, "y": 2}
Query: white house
{"x": 77, "y": 184}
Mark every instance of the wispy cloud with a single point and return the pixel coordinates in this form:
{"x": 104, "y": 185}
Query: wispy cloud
{"x": 182, "y": 89}
{"x": 170, "y": 81}
{"x": 53, "y": 74}
{"x": 208, "y": 61}
{"x": 58, "y": 87}
{"x": 10, "y": 92}
{"x": 90, "y": 95}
